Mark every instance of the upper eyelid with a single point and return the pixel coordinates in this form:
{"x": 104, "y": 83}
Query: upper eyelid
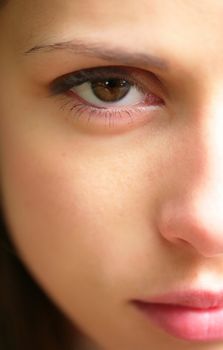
{"x": 76, "y": 77}
{"x": 79, "y": 76}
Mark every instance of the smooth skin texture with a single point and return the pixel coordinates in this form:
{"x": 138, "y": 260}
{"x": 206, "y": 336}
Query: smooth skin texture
{"x": 100, "y": 217}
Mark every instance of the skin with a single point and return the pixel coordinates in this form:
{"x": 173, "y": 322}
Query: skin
{"x": 101, "y": 218}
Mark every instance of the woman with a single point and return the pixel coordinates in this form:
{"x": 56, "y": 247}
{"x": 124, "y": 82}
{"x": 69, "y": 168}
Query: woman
{"x": 111, "y": 159}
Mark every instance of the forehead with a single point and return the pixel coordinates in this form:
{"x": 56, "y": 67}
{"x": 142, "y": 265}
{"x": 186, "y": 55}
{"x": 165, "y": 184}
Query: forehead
{"x": 176, "y": 29}
{"x": 63, "y": 15}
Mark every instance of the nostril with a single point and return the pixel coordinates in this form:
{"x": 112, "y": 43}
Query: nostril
{"x": 182, "y": 241}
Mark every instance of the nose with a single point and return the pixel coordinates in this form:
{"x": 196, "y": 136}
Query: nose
{"x": 194, "y": 222}
{"x": 192, "y": 213}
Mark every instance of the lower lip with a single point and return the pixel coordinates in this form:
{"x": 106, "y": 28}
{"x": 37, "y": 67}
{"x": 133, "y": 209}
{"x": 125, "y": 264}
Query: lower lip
{"x": 186, "y": 323}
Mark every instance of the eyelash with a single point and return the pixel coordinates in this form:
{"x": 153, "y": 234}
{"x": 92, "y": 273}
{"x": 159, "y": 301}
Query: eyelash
{"x": 124, "y": 116}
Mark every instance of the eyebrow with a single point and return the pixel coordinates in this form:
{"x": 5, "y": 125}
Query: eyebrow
{"x": 103, "y": 51}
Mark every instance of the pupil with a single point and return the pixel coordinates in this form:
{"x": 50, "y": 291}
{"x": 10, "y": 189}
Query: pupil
{"x": 110, "y": 90}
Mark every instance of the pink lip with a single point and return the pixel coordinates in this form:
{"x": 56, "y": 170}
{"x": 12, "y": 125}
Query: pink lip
{"x": 190, "y": 315}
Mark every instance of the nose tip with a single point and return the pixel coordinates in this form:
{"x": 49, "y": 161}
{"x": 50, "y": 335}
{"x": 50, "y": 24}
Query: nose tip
{"x": 197, "y": 227}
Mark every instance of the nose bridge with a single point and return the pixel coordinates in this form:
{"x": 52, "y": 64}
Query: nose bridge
{"x": 205, "y": 184}
{"x": 195, "y": 214}
{"x": 210, "y": 128}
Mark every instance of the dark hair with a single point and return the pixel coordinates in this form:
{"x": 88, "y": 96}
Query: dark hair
{"x": 2, "y": 3}
{"x": 28, "y": 318}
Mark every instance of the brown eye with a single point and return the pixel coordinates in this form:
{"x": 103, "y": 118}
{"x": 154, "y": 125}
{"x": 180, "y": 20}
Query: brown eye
{"x": 111, "y": 90}
{"x": 107, "y": 90}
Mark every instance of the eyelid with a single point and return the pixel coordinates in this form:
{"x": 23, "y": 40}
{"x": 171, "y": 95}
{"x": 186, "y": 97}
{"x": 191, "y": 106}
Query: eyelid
{"x": 146, "y": 79}
{"x": 90, "y": 119}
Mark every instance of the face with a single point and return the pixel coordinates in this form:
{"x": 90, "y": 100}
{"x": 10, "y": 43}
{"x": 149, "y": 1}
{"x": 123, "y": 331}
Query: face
{"x": 111, "y": 158}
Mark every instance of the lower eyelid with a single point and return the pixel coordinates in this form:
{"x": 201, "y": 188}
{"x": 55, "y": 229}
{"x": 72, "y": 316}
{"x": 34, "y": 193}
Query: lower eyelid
{"x": 109, "y": 120}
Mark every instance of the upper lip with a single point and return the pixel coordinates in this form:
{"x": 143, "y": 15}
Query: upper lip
{"x": 201, "y": 299}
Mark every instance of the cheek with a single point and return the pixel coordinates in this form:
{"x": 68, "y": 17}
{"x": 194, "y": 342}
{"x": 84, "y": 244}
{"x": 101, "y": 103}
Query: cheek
{"x": 80, "y": 209}
{"x": 53, "y": 205}
{"x": 68, "y": 211}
